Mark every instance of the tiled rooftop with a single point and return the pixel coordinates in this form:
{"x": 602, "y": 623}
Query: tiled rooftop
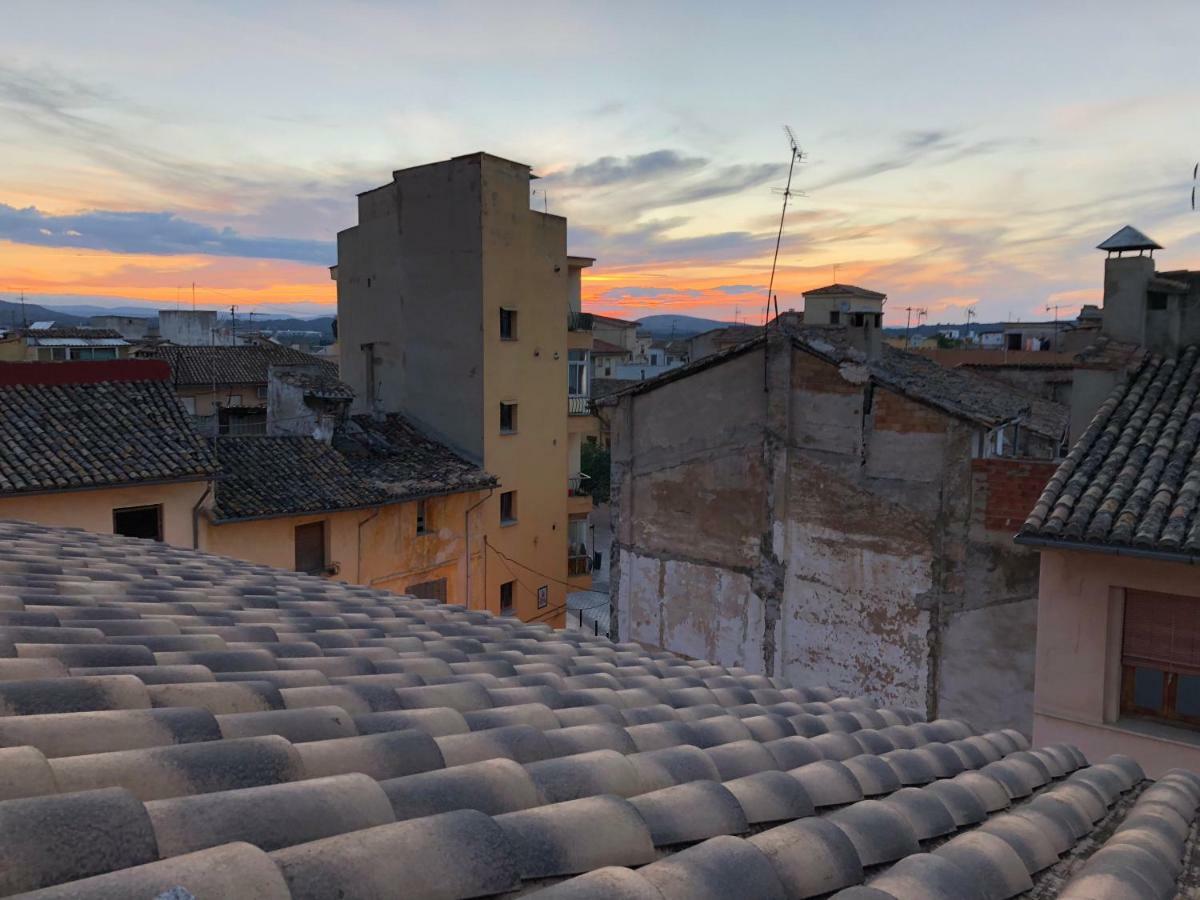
{"x": 394, "y": 454}
{"x": 65, "y": 436}
{"x": 243, "y": 364}
{"x": 322, "y": 383}
{"x": 955, "y": 391}
{"x": 177, "y": 724}
{"x": 1133, "y": 477}
{"x": 270, "y": 476}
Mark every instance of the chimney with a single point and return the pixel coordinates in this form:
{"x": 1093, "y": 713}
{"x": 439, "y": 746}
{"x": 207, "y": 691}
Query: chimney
{"x": 1126, "y": 284}
{"x": 304, "y": 400}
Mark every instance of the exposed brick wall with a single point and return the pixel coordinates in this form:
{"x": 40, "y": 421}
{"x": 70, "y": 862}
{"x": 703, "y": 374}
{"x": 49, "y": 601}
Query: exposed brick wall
{"x": 893, "y": 412}
{"x": 819, "y": 377}
{"x": 1005, "y": 490}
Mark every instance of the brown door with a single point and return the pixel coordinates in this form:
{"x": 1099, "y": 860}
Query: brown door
{"x": 310, "y": 548}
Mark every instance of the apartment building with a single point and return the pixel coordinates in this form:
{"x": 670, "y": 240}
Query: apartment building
{"x": 453, "y": 308}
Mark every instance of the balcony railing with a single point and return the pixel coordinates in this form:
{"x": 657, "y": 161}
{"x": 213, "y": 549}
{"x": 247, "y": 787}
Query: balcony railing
{"x": 579, "y": 406}
{"x": 578, "y": 565}
{"x": 577, "y": 485}
{"x": 579, "y": 321}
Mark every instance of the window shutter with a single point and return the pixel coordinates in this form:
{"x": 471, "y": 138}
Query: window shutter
{"x": 1162, "y": 631}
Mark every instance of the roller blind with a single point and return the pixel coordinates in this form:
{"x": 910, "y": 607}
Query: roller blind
{"x": 1162, "y": 631}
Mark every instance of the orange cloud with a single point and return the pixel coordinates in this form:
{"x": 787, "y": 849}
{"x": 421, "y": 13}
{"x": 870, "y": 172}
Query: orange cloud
{"x": 219, "y": 281}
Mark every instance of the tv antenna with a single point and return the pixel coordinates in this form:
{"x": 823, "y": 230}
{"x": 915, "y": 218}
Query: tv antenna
{"x": 797, "y": 156}
{"x": 1195, "y": 173}
{"x": 1056, "y": 307}
{"x": 545, "y": 199}
{"x": 908, "y": 311}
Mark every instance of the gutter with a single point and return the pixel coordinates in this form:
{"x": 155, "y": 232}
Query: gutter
{"x": 1029, "y": 540}
{"x": 118, "y": 485}
{"x": 467, "y": 552}
{"x": 358, "y": 561}
{"x": 196, "y": 516}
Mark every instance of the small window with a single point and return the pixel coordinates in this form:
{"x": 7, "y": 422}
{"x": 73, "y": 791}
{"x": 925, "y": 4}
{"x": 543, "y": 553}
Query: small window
{"x": 423, "y": 525}
{"x": 1160, "y": 658}
{"x": 508, "y": 324}
{"x": 506, "y": 599}
{"x": 310, "y": 548}
{"x": 1156, "y": 300}
{"x": 139, "y": 522}
{"x": 508, "y": 507}
{"x": 428, "y": 590}
{"x": 835, "y": 318}
{"x": 234, "y": 400}
{"x": 857, "y": 320}
{"x": 189, "y": 404}
{"x": 508, "y": 418}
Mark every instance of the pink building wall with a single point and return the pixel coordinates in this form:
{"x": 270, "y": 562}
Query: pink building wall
{"x": 1078, "y": 670}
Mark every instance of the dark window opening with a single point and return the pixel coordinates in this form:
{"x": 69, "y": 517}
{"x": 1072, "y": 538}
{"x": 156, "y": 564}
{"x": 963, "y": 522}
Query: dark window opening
{"x": 835, "y": 318}
{"x": 506, "y": 598}
{"x": 508, "y": 324}
{"x": 310, "y": 548}
{"x": 423, "y": 526}
{"x": 1013, "y": 341}
{"x": 139, "y": 522}
{"x": 1160, "y": 658}
{"x": 428, "y": 590}
{"x": 508, "y": 507}
{"x": 857, "y": 320}
{"x": 1156, "y": 300}
{"x": 508, "y": 418}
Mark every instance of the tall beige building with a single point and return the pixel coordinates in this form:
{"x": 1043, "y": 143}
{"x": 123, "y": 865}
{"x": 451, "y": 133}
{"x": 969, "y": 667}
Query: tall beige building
{"x": 453, "y": 310}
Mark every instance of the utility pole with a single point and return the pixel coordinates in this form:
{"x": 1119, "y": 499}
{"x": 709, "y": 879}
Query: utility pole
{"x": 1055, "y": 307}
{"x": 971, "y": 314}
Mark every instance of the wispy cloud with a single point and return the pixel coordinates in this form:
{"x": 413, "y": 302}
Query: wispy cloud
{"x": 158, "y": 233}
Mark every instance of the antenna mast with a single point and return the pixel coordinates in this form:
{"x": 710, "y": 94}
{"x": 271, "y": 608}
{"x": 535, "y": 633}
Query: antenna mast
{"x": 797, "y": 155}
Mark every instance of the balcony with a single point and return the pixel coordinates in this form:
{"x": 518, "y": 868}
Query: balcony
{"x": 579, "y": 321}
{"x": 577, "y": 485}
{"x": 579, "y": 406}
{"x": 578, "y": 564}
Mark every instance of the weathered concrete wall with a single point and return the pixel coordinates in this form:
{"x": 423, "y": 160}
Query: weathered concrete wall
{"x": 856, "y": 566}
{"x": 986, "y": 670}
{"x": 410, "y": 281}
{"x": 842, "y": 519}
{"x": 688, "y": 512}
{"x": 189, "y": 327}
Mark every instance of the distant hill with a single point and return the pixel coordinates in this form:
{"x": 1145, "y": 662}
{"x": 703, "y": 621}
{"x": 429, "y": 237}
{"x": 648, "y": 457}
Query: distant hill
{"x": 11, "y": 315}
{"x": 666, "y": 326}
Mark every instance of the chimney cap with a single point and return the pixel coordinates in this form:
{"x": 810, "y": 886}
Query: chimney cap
{"x": 1128, "y": 238}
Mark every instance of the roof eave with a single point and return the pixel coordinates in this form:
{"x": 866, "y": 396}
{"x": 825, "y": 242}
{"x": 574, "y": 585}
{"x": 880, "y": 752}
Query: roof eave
{"x": 1035, "y": 540}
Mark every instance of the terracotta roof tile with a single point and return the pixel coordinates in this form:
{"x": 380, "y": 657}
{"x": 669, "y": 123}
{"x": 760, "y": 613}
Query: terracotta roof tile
{"x": 69, "y": 436}
{"x": 458, "y": 754}
{"x": 1133, "y": 477}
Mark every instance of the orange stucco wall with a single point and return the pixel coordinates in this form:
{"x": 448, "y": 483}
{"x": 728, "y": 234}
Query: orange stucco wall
{"x": 1077, "y": 687}
{"x": 92, "y": 510}
{"x": 378, "y": 547}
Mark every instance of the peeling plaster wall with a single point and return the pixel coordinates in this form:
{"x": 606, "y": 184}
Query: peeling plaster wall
{"x": 828, "y": 530}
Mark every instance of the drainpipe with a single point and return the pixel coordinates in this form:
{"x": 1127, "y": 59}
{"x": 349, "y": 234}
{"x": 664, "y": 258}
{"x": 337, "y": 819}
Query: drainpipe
{"x": 196, "y": 515}
{"x": 358, "y": 564}
{"x": 467, "y": 533}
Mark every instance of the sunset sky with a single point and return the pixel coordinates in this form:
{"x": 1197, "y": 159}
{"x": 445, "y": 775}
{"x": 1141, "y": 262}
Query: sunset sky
{"x": 958, "y": 154}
